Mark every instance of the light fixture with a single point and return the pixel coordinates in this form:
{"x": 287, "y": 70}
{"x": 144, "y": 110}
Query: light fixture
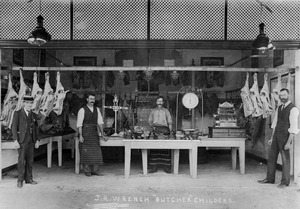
{"x": 148, "y": 75}
{"x": 262, "y": 41}
{"x": 39, "y": 35}
{"x": 121, "y": 74}
{"x": 174, "y": 75}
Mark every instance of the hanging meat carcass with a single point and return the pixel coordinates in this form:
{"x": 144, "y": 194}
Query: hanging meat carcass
{"x": 245, "y": 95}
{"x": 47, "y": 97}
{"x": 275, "y": 101}
{"x": 24, "y": 90}
{"x": 288, "y": 85}
{"x": 36, "y": 93}
{"x": 255, "y": 98}
{"x": 9, "y": 104}
{"x": 59, "y": 96}
{"x": 265, "y": 98}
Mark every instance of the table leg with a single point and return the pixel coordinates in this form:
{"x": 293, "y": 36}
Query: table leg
{"x": 242, "y": 157}
{"x": 127, "y": 160}
{"x": 49, "y": 153}
{"x": 194, "y": 161}
{"x": 233, "y": 157}
{"x": 176, "y": 161}
{"x": 191, "y": 161}
{"x": 145, "y": 161}
{"x": 59, "y": 147}
{"x": 77, "y": 155}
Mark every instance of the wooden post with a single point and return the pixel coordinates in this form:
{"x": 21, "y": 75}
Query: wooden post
{"x": 193, "y": 110}
{"x": 103, "y": 98}
{"x": 297, "y": 138}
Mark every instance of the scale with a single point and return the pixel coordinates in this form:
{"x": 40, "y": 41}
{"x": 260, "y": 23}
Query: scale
{"x": 190, "y": 100}
{"x": 116, "y": 108}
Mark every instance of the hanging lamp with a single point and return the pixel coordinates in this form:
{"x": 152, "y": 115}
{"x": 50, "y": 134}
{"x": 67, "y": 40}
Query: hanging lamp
{"x": 39, "y": 35}
{"x": 262, "y": 41}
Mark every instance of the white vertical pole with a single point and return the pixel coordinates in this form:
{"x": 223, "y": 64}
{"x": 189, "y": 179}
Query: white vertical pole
{"x": 103, "y": 98}
{"x": 193, "y": 110}
{"x": 297, "y": 138}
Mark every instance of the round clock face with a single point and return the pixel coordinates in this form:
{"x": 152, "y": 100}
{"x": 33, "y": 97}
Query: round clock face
{"x": 190, "y": 100}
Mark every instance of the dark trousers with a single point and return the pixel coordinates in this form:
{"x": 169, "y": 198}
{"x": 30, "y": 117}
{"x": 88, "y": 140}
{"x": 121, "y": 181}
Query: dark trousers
{"x": 160, "y": 158}
{"x": 277, "y": 147}
{"x": 25, "y": 160}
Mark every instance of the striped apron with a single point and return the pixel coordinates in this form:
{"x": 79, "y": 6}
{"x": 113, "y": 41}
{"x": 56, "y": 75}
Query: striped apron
{"x": 90, "y": 150}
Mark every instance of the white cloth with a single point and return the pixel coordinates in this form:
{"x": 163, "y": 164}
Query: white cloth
{"x": 80, "y": 116}
{"x": 293, "y": 118}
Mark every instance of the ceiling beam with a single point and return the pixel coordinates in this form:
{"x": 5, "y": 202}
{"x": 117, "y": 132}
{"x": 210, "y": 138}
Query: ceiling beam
{"x": 154, "y": 68}
{"x": 145, "y": 44}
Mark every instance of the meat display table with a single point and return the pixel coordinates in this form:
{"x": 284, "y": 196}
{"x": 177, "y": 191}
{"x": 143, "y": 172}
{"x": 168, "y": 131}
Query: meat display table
{"x": 234, "y": 143}
{"x": 175, "y": 145}
{"x": 49, "y": 141}
{"x": 111, "y": 142}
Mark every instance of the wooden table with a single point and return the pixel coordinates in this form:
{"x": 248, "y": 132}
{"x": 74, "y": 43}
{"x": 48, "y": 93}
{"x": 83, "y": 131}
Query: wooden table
{"x": 175, "y": 145}
{"x": 111, "y": 142}
{"x": 234, "y": 143}
{"x": 49, "y": 141}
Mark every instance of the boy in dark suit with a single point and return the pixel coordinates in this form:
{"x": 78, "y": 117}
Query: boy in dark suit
{"x": 24, "y": 131}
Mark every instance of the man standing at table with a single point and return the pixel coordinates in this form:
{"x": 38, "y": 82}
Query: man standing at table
{"x": 285, "y": 127}
{"x": 161, "y": 122}
{"x": 90, "y": 129}
{"x": 24, "y": 130}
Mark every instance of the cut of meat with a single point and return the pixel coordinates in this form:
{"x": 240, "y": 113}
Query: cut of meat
{"x": 265, "y": 98}
{"x": 24, "y": 90}
{"x": 9, "y": 104}
{"x": 47, "y": 97}
{"x": 37, "y": 93}
{"x": 275, "y": 101}
{"x": 288, "y": 85}
{"x": 59, "y": 96}
{"x": 245, "y": 95}
{"x": 255, "y": 98}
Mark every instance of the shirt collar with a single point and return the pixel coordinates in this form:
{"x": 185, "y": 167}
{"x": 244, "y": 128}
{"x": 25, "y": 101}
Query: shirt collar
{"x": 286, "y": 104}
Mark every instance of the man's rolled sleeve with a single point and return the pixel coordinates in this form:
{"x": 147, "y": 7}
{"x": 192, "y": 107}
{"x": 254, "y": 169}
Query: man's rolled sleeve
{"x": 80, "y": 117}
{"x": 100, "y": 118}
{"x": 294, "y": 113}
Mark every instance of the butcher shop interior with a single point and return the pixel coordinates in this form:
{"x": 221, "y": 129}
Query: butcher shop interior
{"x": 219, "y": 65}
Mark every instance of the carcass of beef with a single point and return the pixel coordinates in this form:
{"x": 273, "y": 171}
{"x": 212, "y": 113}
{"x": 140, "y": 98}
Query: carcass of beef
{"x": 265, "y": 98}
{"x": 255, "y": 98}
{"x": 36, "y": 93}
{"x": 288, "y": 85}
{"x": 47, "y": 97}
{"x": 9, "y": 104}
{"x": 59, "y": 96}
{"x": 275, "y": 101}
{"x": 245, "y": 95}
{"x": 24, "y": 90}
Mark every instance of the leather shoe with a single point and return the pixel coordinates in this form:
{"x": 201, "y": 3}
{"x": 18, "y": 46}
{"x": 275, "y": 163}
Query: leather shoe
{"x": 265, "y": 181}
{"x": 31, "y": 182}
{"x": 152, "y": 170}
{"x": 167, "y": 170}
{"x": 88, "y": 174}
{"x": 97, "y": 174}
{"x": 281, "y": 186}
{"x": 20, "y": 184}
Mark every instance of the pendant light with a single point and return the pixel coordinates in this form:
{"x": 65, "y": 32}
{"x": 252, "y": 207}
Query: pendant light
{"x": 39, "y": 35}
{"x": 262, "y": 41}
